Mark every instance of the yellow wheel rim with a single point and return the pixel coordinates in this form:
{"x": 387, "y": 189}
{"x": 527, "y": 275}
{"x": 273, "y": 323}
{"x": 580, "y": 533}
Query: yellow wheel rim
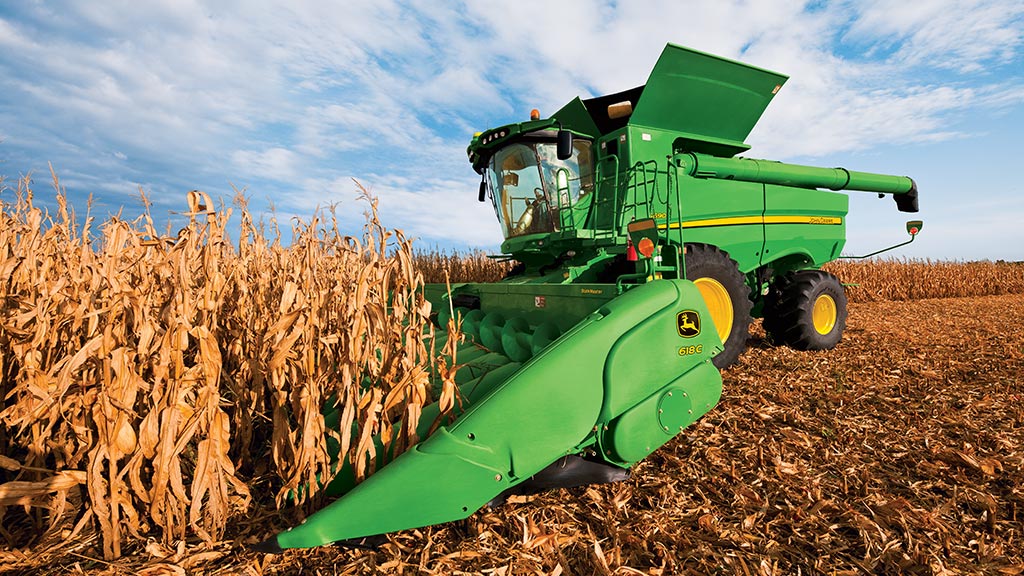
{"x": 719, "y": 305}
{"x": 824, "y": 314}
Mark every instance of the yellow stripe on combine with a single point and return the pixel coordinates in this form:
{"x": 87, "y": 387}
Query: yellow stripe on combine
{"x": 818, "y": 220}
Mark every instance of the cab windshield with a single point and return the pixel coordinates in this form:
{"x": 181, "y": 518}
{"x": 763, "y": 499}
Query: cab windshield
{"x": 527, "y": 189}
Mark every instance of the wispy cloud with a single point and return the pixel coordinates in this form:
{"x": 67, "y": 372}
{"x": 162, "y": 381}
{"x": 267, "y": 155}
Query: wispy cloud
{"x": 960, "y": 35}
{"x": 272, "y": 163}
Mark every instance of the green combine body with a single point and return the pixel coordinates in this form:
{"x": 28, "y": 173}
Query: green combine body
{"x": 644, "y": 247}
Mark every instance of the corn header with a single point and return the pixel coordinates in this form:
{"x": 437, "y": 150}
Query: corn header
{"x": 643, "y": 247}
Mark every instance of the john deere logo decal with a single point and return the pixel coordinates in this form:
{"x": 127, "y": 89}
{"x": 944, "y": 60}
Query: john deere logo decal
{"x": 688, "y": 323}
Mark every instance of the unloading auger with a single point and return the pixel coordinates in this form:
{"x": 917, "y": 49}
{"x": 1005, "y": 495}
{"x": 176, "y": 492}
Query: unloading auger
{"x": 644, "y": 248}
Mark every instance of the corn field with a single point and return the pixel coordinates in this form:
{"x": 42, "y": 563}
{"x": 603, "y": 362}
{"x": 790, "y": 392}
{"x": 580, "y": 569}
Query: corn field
{"x": 474, "y": 266}
{"x": 878, "y": 280}
{"x": 866, "y": 280}
{"x": 160, "y": 387}
{"x": 150, "y": 381}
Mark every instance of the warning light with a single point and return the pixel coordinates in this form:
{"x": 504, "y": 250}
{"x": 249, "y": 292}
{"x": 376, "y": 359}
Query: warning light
{"x": 646, "y": 247}
{"x": 644, "y": 235}
{"x": 534, "y": 114}
{"x": 913, "y": 231}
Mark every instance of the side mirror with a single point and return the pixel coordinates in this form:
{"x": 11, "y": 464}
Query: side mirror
{"x": 914, "y": 226}
{"x": 564, "y": 144}
{"x": 483, "y": 190}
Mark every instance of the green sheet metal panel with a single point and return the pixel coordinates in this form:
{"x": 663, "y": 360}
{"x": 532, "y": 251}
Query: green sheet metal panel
{"x": 724, "y": 214}
{"x": 654, "y": 352}
{"x": 698, "y": 94}
{"x": 574, "y": 116}
{"x": 801, "y": 221}
{"x": 561, "y": 305}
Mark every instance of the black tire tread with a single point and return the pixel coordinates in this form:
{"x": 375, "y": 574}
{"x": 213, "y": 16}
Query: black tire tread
{"x": 701, "y": 258}
{"x": 789, "y": 305}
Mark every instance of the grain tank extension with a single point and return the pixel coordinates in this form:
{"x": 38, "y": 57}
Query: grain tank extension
{"x": 644, "y": 245}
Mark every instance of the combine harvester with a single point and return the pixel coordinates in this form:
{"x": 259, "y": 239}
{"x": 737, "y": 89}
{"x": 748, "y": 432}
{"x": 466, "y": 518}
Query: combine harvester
{"x": 644, "y": 248}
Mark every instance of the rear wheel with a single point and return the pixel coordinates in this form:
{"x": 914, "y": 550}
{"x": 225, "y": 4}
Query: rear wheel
{"x": 806, "y": 310}
{"x": 725, "y": 293}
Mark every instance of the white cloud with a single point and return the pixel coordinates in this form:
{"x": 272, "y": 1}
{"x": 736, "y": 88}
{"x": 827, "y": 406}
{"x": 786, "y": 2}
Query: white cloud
{"x": 11, "y": 37}
{"x": 272, "y": 163}
{"x": 962, "y": 35}
{"x": 439, "y": 210}
{"x": 817, "y": 121}
{"x": 291, "y": 99}
{"x": 837, "y": 101}
{"x": 434, "y": 209}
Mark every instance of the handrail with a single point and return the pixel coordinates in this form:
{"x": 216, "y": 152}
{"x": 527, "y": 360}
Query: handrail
{"x": 566, "y": 209}
{"x": 600, "y": 189}
{"x": 641, "y": 190}
{"x": 672, "y": 189}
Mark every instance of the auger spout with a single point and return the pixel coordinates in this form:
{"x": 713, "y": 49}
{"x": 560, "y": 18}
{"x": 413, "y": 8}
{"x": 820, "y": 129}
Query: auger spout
{"x": 903, "y": 188}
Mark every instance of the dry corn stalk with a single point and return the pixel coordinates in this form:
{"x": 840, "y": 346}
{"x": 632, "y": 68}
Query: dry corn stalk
{"x": 876, "y": 280}
{"x": 473, "y": 266}
{"x": 154, "y": 369}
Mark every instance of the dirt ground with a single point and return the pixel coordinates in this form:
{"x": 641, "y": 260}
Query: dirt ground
{"x": 899, "y": 452}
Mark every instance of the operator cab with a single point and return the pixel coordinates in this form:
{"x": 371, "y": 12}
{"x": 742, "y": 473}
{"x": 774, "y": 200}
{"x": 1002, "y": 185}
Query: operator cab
{"x": 536, "y": 180}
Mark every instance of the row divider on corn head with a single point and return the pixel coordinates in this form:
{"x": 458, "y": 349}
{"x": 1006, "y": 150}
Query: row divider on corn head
{"x": 644, "y": 248}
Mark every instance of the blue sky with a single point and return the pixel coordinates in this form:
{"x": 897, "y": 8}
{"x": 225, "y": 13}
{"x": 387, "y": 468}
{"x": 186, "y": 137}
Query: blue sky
{"x": 291, "y": 101}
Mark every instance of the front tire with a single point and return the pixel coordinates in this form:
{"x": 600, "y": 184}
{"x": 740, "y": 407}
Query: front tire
{"x": 806, "y": 310}
{"x": 726, "y": 295}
